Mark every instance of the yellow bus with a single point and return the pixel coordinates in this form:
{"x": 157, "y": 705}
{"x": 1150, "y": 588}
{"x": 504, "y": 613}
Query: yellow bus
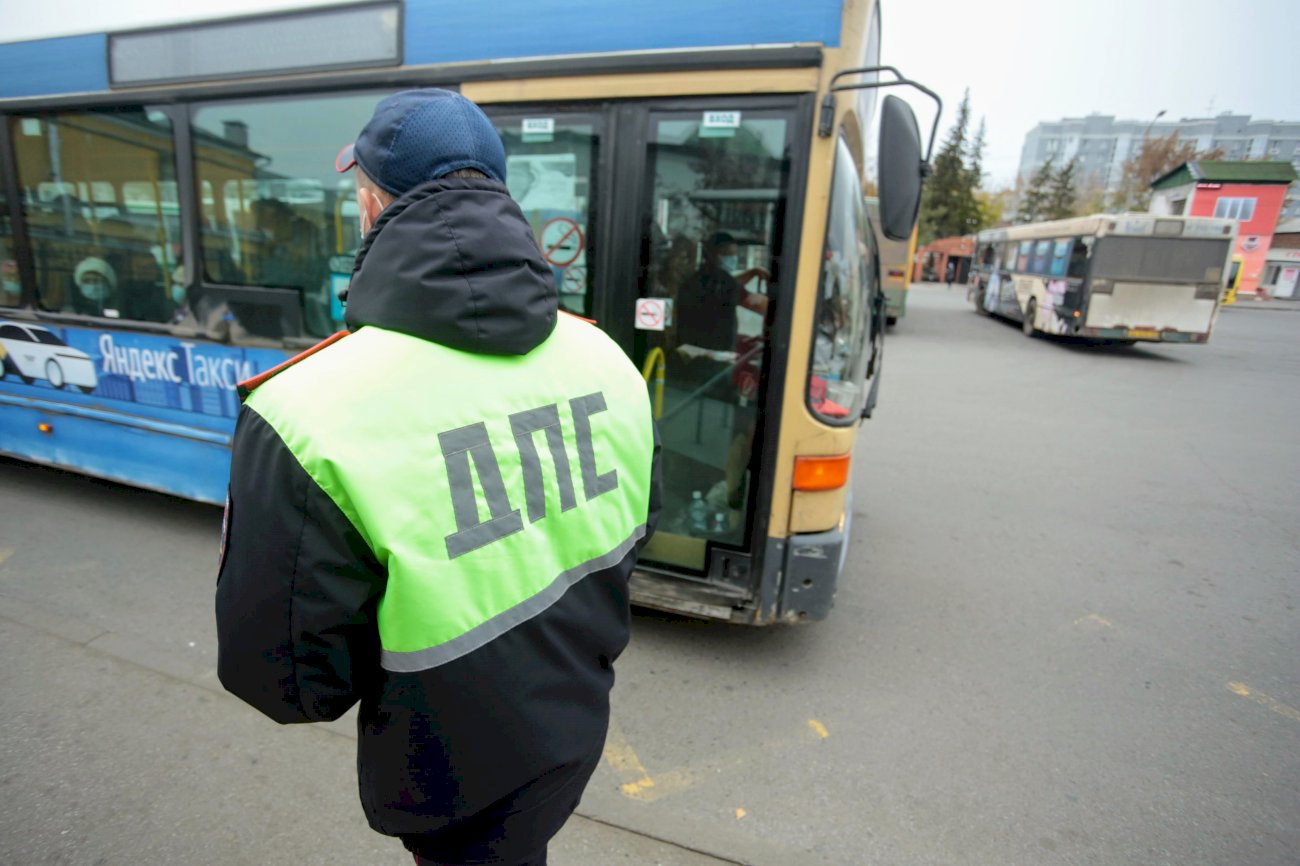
{"x": 692, "y": 174}
{"x": 895, "y": 265}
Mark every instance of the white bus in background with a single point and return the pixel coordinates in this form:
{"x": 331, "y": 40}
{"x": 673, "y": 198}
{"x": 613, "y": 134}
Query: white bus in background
{"x": 1118, "y": 278}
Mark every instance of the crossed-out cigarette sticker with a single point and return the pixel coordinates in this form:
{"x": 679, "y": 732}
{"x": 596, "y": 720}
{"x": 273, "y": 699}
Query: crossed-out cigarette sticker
{"x": 650, "y": 314}
{"x": 561, "y": 241}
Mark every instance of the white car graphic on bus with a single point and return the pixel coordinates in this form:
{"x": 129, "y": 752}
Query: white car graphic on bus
{"x": 31, "y": 352}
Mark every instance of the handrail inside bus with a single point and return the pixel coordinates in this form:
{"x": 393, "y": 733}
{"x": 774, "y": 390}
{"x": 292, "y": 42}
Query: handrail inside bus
{"x": 827, "y": 121}
{"x": 654, "y": 362}
{"x": 713, "y": 380}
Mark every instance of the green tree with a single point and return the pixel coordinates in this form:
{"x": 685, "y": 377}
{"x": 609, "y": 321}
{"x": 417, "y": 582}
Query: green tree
{"x": 1155, "y": 158}
{"x": 948, "y": 204}
{"x": 1033, "y": 198}
{"x": 1061, "y": 194}
{"x": 993, "y": 206}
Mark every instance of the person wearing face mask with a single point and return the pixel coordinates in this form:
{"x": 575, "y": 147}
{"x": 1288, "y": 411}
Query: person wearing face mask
{"x": 96, "y": 283}
{"x": 706, "y": 304}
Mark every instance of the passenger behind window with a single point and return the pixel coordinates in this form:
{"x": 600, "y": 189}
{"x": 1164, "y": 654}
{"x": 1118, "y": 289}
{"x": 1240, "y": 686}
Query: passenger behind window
{"x": 206, "y": 315}
{"x": 96, "y": 292}
{"x": 11, "y": 289}
{"x": 140, "y": 290}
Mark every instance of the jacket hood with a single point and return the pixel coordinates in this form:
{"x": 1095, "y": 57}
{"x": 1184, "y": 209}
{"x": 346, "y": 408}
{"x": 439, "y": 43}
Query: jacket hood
{"x": 454, "y": 261}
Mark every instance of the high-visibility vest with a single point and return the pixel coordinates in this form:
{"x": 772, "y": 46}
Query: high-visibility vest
{"x": 486, "y": 485}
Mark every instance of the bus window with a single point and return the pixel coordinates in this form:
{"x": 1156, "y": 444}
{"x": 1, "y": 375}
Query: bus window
{"x": 101, "y": 246}
{"x": 11, "y": 288}
{"x": 1009, "y": 256}
{"x": 1042, "y": 256}
{"x": 549, "y": 160}
{"x": 280, "y": 211}
{"x": 1022, "y": 257}
{"x": 842, "y": 339}
{"x": 1061, "y": 256}
{"x": 1193, "y": 260}
{"x": 1079, "y": 253}
{"x": 712, "y": 248}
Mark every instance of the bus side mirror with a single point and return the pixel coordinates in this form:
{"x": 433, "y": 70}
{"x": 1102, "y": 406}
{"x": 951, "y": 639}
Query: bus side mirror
{"x": 902, "y": 169}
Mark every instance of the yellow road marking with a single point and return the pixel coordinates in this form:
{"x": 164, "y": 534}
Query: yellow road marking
{"x": 1092, "y": 617}
{"x": 740, "y": 813}
{"x": 620, "y": 756}
{"x": 818, "y": 728}
{"x": 1264, "y": 700}
{"x": 5, "y": 553}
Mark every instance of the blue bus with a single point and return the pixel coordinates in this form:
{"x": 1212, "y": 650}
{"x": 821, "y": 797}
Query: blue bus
{"x": 171, "y": 223}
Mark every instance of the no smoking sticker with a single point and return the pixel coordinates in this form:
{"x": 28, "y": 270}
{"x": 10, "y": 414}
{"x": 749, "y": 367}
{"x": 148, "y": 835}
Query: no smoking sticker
{"x": 575, "y": 281}
{"x": 561, "y": 241}
{"x": 650, "y": 314}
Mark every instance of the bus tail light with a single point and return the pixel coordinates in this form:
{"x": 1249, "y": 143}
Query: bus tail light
{"x": 821, "y": 473}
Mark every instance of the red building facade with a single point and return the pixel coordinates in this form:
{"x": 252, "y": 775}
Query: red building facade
{"x": 932, "y": 260}
{"x": 1249, "y": 192}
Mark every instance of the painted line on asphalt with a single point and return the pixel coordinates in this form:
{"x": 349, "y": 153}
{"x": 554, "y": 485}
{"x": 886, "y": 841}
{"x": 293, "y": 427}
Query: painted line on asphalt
{"x": 1264, "y": 700}
{"x": 647, "y": 790}
{"x": 5, "y": 553}
{"x": 620, "y": 755}
{"x": 1237, "y": 688}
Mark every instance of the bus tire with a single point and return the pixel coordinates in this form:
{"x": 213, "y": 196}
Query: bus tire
{"x": 1031, "y": 309}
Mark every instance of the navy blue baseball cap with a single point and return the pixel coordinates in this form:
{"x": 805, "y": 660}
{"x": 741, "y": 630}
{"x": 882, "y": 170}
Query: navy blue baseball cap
{"x": 421, "y": 135}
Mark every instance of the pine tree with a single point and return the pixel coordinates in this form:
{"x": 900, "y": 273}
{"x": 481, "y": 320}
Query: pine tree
{"x": 1033, "y": 201}
{"x": 1061, "y": 194}
{"x": 975, "y": 165}
{"x": 948, "y": 205}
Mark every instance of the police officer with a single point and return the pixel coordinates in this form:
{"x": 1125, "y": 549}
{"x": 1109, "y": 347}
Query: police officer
{"x": 436, "y": 512}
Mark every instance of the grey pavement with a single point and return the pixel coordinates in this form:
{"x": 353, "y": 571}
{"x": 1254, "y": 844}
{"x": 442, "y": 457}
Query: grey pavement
{"x": 141, "y": 759}
{"x": 1067, "y": 633}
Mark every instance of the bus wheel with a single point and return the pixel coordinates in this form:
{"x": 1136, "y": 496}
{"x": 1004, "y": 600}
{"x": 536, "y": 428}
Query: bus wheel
{"x": 1031, "y": 309}
{"x": 54, "y": 373}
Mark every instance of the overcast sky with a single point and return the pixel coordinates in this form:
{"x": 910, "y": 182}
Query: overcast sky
{"x": 1024, "y": 61}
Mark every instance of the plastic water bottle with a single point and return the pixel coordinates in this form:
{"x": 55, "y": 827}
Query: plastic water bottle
{"x": 698, "y": 513}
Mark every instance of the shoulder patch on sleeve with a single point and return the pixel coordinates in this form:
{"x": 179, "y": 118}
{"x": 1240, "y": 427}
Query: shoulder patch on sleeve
{"x": 248, "y": 386}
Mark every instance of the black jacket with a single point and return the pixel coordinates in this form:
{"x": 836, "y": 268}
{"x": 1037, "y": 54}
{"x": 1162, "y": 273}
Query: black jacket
{"x": 483, "y": 758}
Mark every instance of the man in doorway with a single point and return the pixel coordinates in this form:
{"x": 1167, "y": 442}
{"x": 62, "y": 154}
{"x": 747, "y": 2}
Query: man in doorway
{"x": 706, "y": 303}
{"x": 475, "y": 613}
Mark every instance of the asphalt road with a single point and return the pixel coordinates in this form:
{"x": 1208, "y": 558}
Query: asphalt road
{"x": 1067, "y": 634}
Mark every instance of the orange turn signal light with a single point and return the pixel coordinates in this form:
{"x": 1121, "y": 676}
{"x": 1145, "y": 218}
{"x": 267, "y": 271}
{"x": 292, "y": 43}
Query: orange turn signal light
{"x": 45, "y": 427}
{"x": 821, "y": 473}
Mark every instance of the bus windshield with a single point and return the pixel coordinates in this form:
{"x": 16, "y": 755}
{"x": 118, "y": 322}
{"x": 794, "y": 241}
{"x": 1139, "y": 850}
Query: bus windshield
{"x": 1183, "y": 260}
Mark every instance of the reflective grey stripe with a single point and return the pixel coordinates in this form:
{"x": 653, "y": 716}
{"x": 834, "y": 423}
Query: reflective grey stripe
{"x": 479, "y": 636}
{"x": 593, "y": 485}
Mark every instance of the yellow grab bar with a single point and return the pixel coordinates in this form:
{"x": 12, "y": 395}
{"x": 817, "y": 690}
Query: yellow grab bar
{"x": 654, "y": 362}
